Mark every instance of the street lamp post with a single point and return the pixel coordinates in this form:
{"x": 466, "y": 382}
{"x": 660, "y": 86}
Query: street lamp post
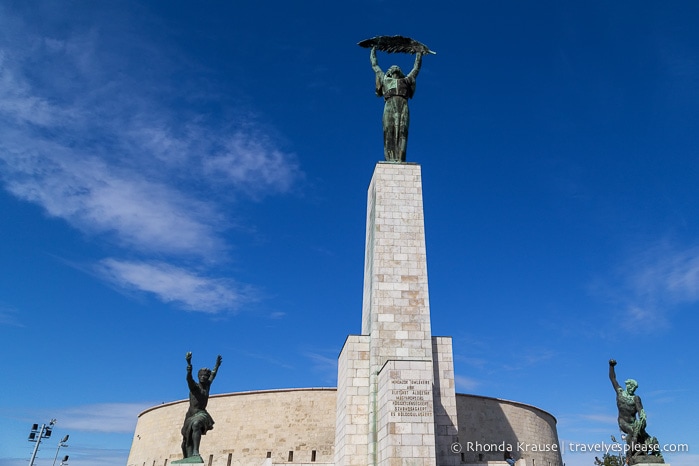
{"x": 62, "y": 443}
{"x": 37, "y": 434}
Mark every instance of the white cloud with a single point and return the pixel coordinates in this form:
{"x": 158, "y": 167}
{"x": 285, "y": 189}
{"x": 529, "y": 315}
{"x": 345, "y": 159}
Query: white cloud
{"x": 659, "y": 279}
{"x": 652, "y": 285}
{"x": 667, "y": 274}
{"x": 253, "y": 164}
{"x": 603, "y": 418}
{"x": 323, "y": 363}
{"x": 19, "y": 102}
{"x": 96, "y": 456}
{"x": 106, "y": 145}
{"x": 174, "y": 285}
{"x": 89, "y": 194}
{"x": 529, "y": 357}
{"x": 8, "y": 316}
{"x": 644, "y": 319}
{"x": 681, "y": 459}
{"x": 104, "y": 417}
{"x": 465, "y": 383}
{"x": 267, "y": 360}
{"x": 127, "y": 171}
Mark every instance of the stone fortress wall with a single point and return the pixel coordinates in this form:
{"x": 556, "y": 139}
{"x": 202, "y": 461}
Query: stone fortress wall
{"x": 286, "y": 426}
{"x": 485, "y": 423}
{"x": 297, "y": 427}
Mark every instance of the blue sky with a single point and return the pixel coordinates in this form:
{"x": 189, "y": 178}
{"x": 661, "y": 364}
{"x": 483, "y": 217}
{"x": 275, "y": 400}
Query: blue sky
{"x": 182, "y": 176}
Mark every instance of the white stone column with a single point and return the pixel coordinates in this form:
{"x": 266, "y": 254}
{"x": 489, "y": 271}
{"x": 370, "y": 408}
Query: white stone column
{"x": 396, "y": 309}
{"x": 411, "y": 406}
{"x": 396, "y": 315}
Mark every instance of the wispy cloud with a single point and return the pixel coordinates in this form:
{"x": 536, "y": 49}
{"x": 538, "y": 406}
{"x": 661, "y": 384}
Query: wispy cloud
{"x": 9, "y": 317}
{"x": 472, "y": 361}
{"x": 529, "y": 357}
{"x": 323, "y": 364}
{"x": 252, "y": 164}
{"x": 667, "y": 274}
{"x": 174, "y": 285}
{"x": 142, "y": 214}
{"x": 603, "y": 418}
{"x": 104, "y": 417}
{"x": 81, "y": 456}
{"x": 653, "y": 284}
{"x": 682, "y": 459}
{"x": 110, "y": 154}
{"x": 465, "y": 383}
{"x": 266, "y": 359}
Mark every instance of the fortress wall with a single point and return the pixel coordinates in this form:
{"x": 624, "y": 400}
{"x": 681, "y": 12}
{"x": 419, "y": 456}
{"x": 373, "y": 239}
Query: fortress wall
{"x": 251, "y": 424}
{"x": 490, "y": 421}
{"x": 248, "y": 427}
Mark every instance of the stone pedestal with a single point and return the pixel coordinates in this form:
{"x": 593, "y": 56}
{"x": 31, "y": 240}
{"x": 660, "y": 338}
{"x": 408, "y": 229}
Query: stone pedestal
{"x": 190, "y": 460}
{"x": 404, "y": 389}
{"x": 405, "y": 414}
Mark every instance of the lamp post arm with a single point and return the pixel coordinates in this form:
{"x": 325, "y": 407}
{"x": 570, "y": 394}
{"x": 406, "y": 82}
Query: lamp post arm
{"x": 60, "y": 444}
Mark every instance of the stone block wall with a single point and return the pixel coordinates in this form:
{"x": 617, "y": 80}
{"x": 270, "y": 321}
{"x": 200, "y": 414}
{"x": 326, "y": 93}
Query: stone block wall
{"x": 445, "y": 414}
{"x": 352, "y": 423}
{"x": 290, "y": 426}
{"x": 396, "y": 310}
{"x": 251, "y": 425}
{"x": 405, "y": 435}
{"x": 485, "y": 423}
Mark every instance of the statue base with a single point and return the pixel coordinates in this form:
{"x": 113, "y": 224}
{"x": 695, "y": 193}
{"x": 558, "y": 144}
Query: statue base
{"x": 644, "y": 460}
{"x": 191, "y": 460}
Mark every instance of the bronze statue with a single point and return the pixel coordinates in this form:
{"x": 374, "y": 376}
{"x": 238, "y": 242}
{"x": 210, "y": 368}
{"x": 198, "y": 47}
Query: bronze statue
{"x": 197, "y": 421}
{"x": 396, "y": 88}
{"x": 632, "y": 422}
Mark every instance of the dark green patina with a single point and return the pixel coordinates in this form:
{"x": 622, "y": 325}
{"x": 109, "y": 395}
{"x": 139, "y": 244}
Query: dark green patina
{"x": 396, "y": 88}
{"x": 197, "y": 421}
{"x": 641, "y": 447}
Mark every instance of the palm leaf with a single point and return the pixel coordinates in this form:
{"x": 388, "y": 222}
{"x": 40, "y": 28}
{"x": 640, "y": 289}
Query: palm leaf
{"x": 395, "y": 44}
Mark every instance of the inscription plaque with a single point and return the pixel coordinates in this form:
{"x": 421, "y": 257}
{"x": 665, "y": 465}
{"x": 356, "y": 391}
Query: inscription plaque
{"x": 410, "y": 398}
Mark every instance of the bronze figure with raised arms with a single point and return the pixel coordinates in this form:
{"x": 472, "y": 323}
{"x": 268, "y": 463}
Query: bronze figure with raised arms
{"x": 197, "y": 421}
{"x": 396, "y": 88}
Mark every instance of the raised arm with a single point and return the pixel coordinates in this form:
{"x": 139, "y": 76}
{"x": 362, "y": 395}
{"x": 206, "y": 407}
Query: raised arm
{"x": 190, "y": 379}
{"x": 374, "y": 61}
{"x": 377, "y": 71}
{"x": 215, "y": 370}
{"x": 612, "y": 375}
{"x": 416, "y": 67}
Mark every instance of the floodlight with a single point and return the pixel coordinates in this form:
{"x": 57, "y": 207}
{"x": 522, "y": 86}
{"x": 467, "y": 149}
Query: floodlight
{"x": 39, "y": 433}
